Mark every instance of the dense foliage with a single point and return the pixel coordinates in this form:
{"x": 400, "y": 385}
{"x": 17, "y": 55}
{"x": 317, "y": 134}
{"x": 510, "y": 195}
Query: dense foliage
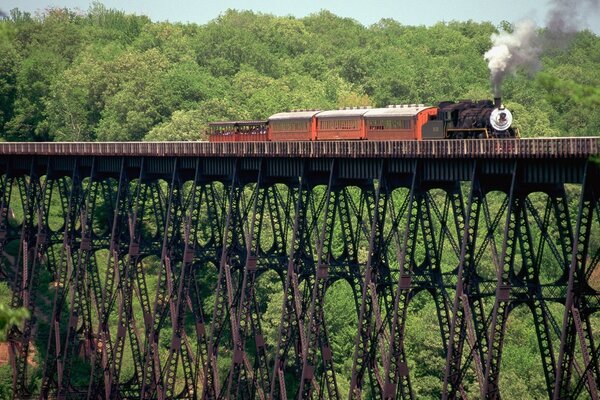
{"x": 106, "y": 75}
{"x": 9, "y": 316}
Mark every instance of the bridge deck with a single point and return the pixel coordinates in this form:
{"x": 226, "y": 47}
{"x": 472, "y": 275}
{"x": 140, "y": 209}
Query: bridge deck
{"x": 489, "y": 148}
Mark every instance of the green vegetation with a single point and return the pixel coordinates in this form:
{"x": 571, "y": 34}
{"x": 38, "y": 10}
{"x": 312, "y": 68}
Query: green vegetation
{"x": 8, "y": 316}
{"x": 106, "y": 75}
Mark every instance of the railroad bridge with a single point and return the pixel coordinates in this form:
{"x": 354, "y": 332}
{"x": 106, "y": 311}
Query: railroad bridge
{"x": 139, "y": 263}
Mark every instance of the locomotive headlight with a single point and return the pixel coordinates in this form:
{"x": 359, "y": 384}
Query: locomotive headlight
{"x": 501, "y": 119}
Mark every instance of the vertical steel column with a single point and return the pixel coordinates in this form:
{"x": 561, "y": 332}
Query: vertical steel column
{"x": 279, "y": 208}
{"x": 126, "y": 276}
{"x": 32, "y": 248}
{"x": 206, "y": 192}
{"x": 90, "y": 290}
{"x": 105, "y": 354}
{"x": 366, "y": 334}
{"x": 431, "y": 267}
{"x": 54, "y": 363}
{"x": 434, "y": 251}
{"x": 223, "y": 301}
{"x": 572, "y": 327}
{"x": 396, "y": 368}
{"x": 291, "y": 325}
{"x": 79, "y": 308}
{"x": 461, "y": 305}
{"x": 241, "y": 372}
{"x": 349, "y": 256}
{"x": 104, "y": 348}
{"x": 502, "y": 300}
{"x": 179, "y": 344}
{"x": 151, "y": 373}
{"x": 556, "y": 205}
{"x": 316, "y": 336}
{"x": 386, "y": 294}
{"x": 6, "y": 184}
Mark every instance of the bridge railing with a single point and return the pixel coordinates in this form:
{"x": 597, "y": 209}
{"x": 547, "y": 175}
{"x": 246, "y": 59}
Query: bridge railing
{"x": 489, "y": 148}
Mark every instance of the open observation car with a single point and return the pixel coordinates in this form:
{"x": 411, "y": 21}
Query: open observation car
{"x": 237, "y": 131}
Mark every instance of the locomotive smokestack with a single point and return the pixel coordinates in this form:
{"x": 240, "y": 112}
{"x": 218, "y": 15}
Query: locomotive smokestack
{"x": 497, "y": 102}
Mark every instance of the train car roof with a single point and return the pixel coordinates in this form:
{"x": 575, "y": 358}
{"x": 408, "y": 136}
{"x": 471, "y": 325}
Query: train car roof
{"x": 396, "y": 111}
{"x": 233, "y": 123}
{"x": 293, "y": 115}
{"x": 354, "y": 112}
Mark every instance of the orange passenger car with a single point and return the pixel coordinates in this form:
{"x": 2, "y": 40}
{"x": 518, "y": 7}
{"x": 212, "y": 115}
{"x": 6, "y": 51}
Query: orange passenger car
{"x": 398, "y": 122}
{"x": 347, "y": 124}
{"x": 237, "y": 131}
{"x": 293, "y": 125}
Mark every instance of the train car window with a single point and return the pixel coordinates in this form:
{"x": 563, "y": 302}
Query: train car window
{"x": 390, "y": 123}
{"x": 376, "y": 125}
{"x": 338, "y": 124}
{"x": 286, "y": 126}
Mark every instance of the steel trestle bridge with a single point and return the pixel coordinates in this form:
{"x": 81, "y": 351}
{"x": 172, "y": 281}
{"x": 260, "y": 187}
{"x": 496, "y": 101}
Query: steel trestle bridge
{"x": 481, "y": 226}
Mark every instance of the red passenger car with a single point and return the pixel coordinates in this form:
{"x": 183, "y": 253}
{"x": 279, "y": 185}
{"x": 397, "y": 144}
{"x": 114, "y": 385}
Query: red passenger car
{"x": 347, "y": 124}
{"x": 398, "y": 122}
{"x": 293, "y": 125}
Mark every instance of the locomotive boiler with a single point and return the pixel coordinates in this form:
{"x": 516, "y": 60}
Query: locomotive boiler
{"x": 448, "y": 120}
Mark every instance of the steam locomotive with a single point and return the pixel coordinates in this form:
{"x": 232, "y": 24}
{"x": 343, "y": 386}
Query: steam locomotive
{"x": 448, "y": 120}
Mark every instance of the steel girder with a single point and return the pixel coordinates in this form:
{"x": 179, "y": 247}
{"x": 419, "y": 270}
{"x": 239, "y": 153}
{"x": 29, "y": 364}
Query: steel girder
{"x": 152, "y": 272}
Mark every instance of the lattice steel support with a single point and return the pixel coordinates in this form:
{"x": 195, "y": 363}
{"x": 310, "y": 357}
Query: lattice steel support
{"x": 153, "y": 268}
{"x": 576, "y": 330}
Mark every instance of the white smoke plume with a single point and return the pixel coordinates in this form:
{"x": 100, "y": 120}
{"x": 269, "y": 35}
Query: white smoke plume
{"x": 511, "y": 51}
{"x": 522, "y": 47}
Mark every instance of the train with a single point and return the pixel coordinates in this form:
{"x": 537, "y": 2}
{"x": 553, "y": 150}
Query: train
{"x": 464, "y": 119}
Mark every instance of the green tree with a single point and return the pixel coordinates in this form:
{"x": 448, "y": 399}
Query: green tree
{"x": 10, "y": 317}
{"x": 8, "y": 79}
{"x": 134, "y": 96}
{"x": 183, "y": 126}
{"x": 33, "y": 82}
{"x": 112, "y": 26}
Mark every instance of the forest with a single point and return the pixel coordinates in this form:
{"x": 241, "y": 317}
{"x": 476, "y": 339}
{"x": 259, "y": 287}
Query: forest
{"x": 103, "y": 75}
